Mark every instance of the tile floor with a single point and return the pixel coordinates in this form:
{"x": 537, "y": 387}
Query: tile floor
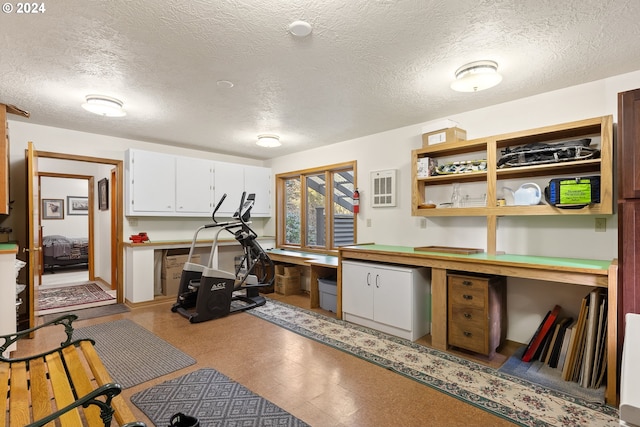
{"x": 320, "y": 385}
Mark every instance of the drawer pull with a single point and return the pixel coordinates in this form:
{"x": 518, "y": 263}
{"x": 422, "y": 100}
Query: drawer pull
{"x": 467, "y": 334}
{"x": 467, "y": 297}
{"x": 467, "y": 315}
{"x": 467, "y": 282}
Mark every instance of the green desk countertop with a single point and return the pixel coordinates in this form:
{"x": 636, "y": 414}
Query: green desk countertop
{"x": 310, "y": 256}
{"x": 504, "y": 258}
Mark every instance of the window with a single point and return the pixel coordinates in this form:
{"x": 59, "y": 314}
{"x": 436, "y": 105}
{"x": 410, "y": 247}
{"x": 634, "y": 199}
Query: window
{"x": 315, "y": 208}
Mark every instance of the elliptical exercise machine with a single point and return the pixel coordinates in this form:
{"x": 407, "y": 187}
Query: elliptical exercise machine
{"x": 207, "y": 293}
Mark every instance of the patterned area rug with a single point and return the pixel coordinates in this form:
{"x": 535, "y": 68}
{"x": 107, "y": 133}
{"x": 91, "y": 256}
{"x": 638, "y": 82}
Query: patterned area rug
{"x": 214, "y": 399}
{"x": 132, "y": 354}
{"x": 67, "y": 296}
{"x": 509, "y": 397}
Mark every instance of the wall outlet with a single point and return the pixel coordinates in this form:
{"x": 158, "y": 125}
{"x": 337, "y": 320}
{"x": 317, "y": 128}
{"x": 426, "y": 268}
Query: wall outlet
{"x": 601, "y": 225}
{"x": 423, "y": 222}
{"x": 368, "y": 222}
{"x": 133, "y": 222}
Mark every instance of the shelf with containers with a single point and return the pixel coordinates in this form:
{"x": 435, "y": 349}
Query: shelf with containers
{"x": 431, "y": 195}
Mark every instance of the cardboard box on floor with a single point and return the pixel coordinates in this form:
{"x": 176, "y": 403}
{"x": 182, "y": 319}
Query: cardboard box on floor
{"x": 172, "y": 264}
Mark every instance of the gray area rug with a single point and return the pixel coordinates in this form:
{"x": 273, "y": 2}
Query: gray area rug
{"x": 90, "y": 313}
{"x": 520, "y": 401}
{"x": 214, "y": 399}
{"x": 132, "y": 354}
{"x": 539, "y": 373}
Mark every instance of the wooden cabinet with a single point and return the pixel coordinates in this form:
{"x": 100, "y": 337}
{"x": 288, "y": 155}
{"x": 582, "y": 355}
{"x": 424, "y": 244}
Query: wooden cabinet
{"x": 476, "y": 312}
{"x": 629, "y": 144}
{"x": 628, "y": 169}
{"x": 391, "y": 299}
{"x": 484, "y": 186}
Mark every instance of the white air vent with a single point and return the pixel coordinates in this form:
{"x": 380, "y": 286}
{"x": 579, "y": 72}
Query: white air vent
{"x": 383, "y": 188}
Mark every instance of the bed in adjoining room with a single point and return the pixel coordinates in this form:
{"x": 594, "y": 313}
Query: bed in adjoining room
{"x": 60, "y": 251}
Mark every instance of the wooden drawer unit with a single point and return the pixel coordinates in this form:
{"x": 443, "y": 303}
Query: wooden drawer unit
{"x": 476, "y": 312}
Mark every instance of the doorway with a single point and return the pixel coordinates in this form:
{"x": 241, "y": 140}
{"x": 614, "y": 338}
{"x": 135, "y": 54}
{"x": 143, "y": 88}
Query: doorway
{"x": 104, "y": 231}
{"x": 68, "y": 278}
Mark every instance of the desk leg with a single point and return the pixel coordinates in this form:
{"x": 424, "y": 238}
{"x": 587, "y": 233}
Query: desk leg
{"x": 439, "y": 308}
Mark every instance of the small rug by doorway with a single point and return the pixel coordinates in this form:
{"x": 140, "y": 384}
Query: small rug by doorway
{"x": 131, "y": 353}
{"x": 515, "y": 399}
{"x": 90, "y": 313}
{"x": 68, "y": 296}
{"x": 214, "y": 399}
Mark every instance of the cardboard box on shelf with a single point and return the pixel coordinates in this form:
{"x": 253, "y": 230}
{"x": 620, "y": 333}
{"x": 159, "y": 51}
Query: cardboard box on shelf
{"x": 172, "y": 265}
{"x": 452, "y": 134}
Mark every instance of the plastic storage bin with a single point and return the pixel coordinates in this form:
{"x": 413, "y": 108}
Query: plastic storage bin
{"x": 328, "y": 294}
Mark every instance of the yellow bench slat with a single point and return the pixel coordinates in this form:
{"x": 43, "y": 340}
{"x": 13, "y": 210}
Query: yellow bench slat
{"x": 19, "y": 403}
{"x": 40, "y": 394}
{"x": 81, "y": 382}
{"x": 123, "y": 414}
{"x": 62, "y": 390}
{"x": 4, "y": 390}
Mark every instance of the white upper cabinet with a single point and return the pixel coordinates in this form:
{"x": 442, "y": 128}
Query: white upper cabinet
{"x": 194, "y": 185}
{"x": 150, "y": 183}
{"x": 233, "y": 179}
{"x": 158, "y": 184}
{"x": 229, "y": 180}
{"x": 258, "y": 180}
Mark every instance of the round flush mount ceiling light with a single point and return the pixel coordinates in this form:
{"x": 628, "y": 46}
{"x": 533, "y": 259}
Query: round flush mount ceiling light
{"x": 225, "y": 84}
{"x": 104, "y": 106}
{"x": 475, "y": 76}
{"x": 300, "y": 28}
{"x": 268, "y": 140}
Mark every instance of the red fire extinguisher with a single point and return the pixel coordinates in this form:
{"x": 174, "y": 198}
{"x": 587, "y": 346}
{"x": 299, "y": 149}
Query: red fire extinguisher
{"x": 356, "y": 201}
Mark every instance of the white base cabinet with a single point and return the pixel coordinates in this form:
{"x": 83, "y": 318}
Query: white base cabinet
{"x": 391, "y": 299}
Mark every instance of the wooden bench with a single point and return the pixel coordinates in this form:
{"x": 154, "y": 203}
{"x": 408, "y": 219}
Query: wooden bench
{"x": 69, "y": 384}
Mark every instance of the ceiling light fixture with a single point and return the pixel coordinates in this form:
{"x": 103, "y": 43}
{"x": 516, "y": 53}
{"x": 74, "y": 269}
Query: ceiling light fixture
{"x": 104, "y": 106}
{"x": 300, "y": 28}
{"x": 268, "y": 140}
{"x": 475, "y": 76}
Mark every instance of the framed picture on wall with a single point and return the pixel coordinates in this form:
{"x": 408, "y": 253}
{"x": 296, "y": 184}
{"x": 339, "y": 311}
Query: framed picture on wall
{"x": 52, "y": 209}
{"x": 103, "y": 194}
{"x": 77, "y": 205}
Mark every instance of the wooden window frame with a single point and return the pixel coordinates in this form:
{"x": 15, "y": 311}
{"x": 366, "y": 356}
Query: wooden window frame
{"x": 328, "y": 170}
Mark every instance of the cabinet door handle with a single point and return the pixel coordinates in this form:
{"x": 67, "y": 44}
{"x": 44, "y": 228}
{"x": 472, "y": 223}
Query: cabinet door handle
{"x": 377, "y": 284}
{"x": 468, "y": 297}
{"x": 368, "y": 276}
{"x": 467, "y": 334}
{"x": 467, "y": 315}
{"x": 467, "y": 282}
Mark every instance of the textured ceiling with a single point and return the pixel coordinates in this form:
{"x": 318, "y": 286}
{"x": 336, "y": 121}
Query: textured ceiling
{"x": 367, "y": 67}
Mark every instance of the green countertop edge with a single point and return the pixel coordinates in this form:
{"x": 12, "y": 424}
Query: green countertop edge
{"x": 521, "y": 259}
{"x": 9, "y": 247}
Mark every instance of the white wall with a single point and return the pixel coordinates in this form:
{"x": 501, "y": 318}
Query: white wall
{"x": 60, "y": 189}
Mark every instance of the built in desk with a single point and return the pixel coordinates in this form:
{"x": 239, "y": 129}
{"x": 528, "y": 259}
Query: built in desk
{"x": 585, "y": 272}
{"x": 321, "y": 266}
